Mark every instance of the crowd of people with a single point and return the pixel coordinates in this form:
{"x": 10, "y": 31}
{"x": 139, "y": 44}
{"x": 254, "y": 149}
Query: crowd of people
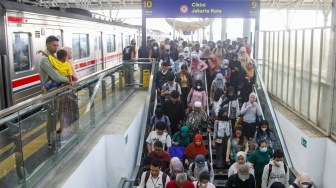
{"x": 193, "y": 78}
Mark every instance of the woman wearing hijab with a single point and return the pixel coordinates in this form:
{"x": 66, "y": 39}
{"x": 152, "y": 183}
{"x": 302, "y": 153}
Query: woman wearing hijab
{"x": 243, "y": 56}
{"x": 225, "y": 71}
{"x": 70, "y": 112}
{"x": 206, "y": 53}
{"x": 236, "y": 69}
{"x": 197, "y": 93}
{"x": 241, "y": 160}
{"x": 197, "y": 68}
{"x": 182, "y": 138}
{"x": 184, "y": 79}
{"x": 248, "y": 80}
{"x": 250, "y": 111}
{"x": 212, "y": 70}
{"x": 222, "y": 133}
{"x": 194, "y": 149}
{"x": 229, "y": 100}
{"x": 302, "y": 181}
{"x": 218, "y": 83}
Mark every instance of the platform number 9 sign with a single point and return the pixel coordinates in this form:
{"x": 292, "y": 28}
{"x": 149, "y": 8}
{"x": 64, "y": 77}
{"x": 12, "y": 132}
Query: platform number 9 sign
{"x": 254, "y": 4}
{"x": 148, "y": 4}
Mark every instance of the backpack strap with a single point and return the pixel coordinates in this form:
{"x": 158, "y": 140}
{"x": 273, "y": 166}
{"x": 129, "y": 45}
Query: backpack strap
{"x": 269, "y": 172}
{"x": 209, "y": 167}
{"x": 193, "y": 168}
{"x": 164, "y": 177}
{"x": 147, "y": 177}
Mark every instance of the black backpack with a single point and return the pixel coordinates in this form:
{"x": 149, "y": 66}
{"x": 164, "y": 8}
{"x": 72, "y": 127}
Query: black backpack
{"x": 218, "y": 93}
{"x": 127, "y": 52}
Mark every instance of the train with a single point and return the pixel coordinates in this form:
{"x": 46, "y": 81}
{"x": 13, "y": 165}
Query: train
{"x": 96, "y": 44}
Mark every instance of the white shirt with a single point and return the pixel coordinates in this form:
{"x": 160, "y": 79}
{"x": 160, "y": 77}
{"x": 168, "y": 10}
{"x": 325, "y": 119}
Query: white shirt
{"x": 164, "y": 138}
{"x": 209, "y": 185}
{"x": 199, "y": 53}
{"x": 153, "y": 182}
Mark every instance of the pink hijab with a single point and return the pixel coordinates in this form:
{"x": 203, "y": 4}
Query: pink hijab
{"x": 69, "y": 52}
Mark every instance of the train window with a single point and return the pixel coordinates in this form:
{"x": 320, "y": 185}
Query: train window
{"x": 110, "y": 43}
{"x": 58, "y": 34}
{"x": 21, "y": 51}
{"x": 127, "y": 40}
{"x": 80, "y": 46}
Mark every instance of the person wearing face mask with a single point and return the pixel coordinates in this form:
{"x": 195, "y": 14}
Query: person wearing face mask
{"x": 243, "y": 57}
{"x": 225, "y": 71}
{"x": 176, "y": 168}
{"x": 154, "y": 51}
{"x": 243, "y": 179}
{"x": 302, "y": 181}
{"x": 229, "y": 53}
{"x": 259, "y": 158}
{"x": 167, "y": 59}
{"x": 222, "y": 133}
{"x": 263, "y": 133}
{"x": 184, "y": 79}
{"x": 276, "y": 172}
{"x": 204, "y": 181}
{"x": 236, "y": 69}
{"x": 241, "y": 160}
{"x": 216, "y": 91}
{"x": 197, "y": 93}
{"x": 196, "y": 118}
{"x": 197, "y": 68}
{"x": 219, "y": 51}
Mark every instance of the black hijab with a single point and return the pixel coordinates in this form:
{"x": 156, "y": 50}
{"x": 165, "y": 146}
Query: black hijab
{"x": 228, "y": 97}
{"x": 199, "y": 82}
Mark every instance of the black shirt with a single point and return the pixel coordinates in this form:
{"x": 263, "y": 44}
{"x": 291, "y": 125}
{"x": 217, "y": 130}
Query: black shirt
{"x": 175, "y": 112}
{"x": 235, "y": 182}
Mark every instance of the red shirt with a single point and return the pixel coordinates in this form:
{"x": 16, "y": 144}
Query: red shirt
{"x": 165, "y": 159}
{"x": 172, "y": 184}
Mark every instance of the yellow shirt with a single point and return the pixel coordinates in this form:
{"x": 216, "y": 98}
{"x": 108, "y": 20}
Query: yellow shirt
{"x": 184, "y": 81}
{"x": 63, "y": 68}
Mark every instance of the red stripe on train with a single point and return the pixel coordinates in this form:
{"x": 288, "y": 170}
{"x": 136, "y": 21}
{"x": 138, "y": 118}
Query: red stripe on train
{"x": 16, "y": 19}
{"x": 24, "y": 81}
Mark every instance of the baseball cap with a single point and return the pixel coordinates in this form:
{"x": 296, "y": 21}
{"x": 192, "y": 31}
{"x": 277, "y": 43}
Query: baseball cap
{"x": 243, "y": 171}
{"x": 200, "y": 161}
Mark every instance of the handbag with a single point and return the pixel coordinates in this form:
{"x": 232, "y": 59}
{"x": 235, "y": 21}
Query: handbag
{"x": 240, "y": 120}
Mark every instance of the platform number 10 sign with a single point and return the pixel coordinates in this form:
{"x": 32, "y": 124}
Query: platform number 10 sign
{"x": 148, "y": 4}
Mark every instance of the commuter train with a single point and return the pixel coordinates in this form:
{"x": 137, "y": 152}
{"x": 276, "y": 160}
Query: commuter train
{"x": 96, "y": 45}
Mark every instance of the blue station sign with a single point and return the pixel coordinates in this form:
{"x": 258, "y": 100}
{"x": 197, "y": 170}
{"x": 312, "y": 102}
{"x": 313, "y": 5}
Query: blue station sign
{"x": 201, "y": 9}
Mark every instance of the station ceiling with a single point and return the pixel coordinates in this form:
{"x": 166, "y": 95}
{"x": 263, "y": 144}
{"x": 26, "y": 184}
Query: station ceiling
{"x": 136, "y": 4}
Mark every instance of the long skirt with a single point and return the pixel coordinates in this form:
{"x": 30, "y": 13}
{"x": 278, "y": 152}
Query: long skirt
{"x": 184, "y": 97}
{"x": 221, "y": 152}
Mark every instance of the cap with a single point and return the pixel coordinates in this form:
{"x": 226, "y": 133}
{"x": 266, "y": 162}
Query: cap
{"x": 198, "y": 104}
{"x": 277, "y": 185}
{"x": 200, "y": 161}
{"x": 243, "y": 171}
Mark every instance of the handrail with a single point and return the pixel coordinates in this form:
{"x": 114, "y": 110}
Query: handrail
{"x": 256, "y": 92}
{"x": 143, "y": 130}
{"x": 41, "y": 97}
{"x": 277, "y": 127}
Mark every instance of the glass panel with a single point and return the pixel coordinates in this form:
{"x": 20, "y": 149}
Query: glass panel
{"x": 280, "y": 64}
{"x": 12, "y": 171}
{"x": 275, "y": 64}
{"x": 286, "y": 64}
{"x": 266, "y": 76}
{"x": 290, "y": 87}
{"x": 84, "y": 46}
{"x": 298, "y": 66}
{"x": 75, "y": 46}
{"x": 306, "y": 73}
{"x": 21, "y": 49}
{"x": 110, "y": 43}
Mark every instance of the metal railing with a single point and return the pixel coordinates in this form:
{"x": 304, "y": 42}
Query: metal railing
{"x": 24, "y": 156}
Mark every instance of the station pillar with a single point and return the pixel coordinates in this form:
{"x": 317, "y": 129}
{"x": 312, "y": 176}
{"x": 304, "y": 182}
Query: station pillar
{"x": 223, "y": 30}
{"x": 211, "y": 28}
{"x": 247, "y": 28}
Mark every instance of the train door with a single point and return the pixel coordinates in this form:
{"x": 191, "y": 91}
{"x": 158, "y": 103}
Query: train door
{"x": 98, "y": 52}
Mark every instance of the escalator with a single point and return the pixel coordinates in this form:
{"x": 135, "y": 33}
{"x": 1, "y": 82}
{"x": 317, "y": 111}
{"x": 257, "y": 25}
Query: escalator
{"x": 220, "y": 179}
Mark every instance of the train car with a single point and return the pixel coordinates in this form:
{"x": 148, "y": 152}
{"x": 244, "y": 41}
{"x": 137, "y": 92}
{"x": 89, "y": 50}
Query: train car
{"x": 96, "y": 45}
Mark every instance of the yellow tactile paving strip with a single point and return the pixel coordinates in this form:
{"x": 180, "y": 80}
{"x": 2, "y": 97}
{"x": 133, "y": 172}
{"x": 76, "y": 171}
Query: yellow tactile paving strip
{"x": 8, "y": 164}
